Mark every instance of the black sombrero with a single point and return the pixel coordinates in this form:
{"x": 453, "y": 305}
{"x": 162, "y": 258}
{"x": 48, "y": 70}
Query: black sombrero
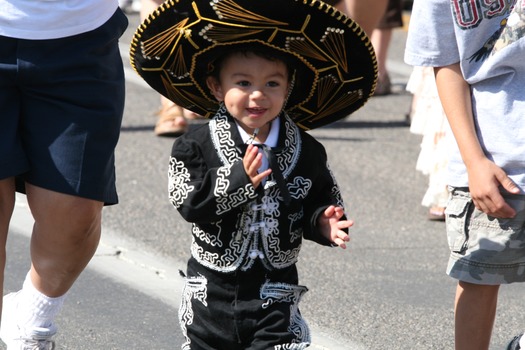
{"x": 335, "y": 64}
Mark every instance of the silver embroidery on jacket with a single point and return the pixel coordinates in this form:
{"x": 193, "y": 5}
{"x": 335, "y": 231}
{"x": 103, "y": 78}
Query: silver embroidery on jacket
{"x": 213, "y": 240}
{"x": 178, "y": 187}
{"x": 256, "y": 232}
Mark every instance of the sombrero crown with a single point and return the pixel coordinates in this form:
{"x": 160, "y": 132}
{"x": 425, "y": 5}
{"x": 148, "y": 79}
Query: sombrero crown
{"x": 335, "y": 64}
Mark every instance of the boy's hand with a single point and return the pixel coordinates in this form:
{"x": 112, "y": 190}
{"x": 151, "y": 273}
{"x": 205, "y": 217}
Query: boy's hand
{"x": 252, "y": 161}
{"x": 485, "y": 179}
{"x": 332, "y": 226}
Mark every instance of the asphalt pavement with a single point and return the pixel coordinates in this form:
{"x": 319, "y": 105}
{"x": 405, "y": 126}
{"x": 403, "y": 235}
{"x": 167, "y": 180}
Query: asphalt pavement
{"x": 388, "y": 290}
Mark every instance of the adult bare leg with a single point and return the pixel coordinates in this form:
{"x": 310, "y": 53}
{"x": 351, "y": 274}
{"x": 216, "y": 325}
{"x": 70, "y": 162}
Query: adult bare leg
{"x": 341, "y": 6}
{"x": 367, "y": 13}
{"x": 65, "y": 237}
{"x": 148, "y": 6}
{"x": 380, "y": 39}
{"x": 475, "y": 311}
{"x": 7, "y": 204}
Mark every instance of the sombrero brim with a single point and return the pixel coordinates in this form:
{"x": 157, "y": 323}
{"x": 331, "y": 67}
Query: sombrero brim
{"x": 335, "y": 64}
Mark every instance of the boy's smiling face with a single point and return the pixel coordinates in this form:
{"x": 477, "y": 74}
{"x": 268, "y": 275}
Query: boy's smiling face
{"x": 253, "y": 89}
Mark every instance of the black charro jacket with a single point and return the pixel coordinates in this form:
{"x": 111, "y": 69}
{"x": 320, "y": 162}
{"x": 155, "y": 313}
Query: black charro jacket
{"x": 233, "y": 223}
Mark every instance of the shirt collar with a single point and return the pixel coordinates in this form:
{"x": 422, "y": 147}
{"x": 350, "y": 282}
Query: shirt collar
{"x": 273, "y": 136}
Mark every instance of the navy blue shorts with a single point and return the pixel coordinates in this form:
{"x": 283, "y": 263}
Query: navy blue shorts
{"x": 61, "y": 103}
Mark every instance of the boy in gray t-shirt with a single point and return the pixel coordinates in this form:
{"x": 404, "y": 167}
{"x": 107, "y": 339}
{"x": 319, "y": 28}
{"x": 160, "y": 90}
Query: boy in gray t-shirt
{"x": 477, "y": 49}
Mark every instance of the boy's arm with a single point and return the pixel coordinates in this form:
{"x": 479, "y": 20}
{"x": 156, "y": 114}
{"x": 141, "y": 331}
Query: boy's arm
{"x": 203, "y": 190}
{"x": 484, "y": 176}
{"x": 327, "y": 223}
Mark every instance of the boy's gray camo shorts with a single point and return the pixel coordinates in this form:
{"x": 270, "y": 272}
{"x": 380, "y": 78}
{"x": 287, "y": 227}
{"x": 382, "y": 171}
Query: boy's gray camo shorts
{"x": 484, "y": 249}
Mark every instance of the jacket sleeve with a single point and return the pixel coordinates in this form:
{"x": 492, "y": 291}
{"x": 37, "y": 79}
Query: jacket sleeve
{"x": 325, "y": 192}
{"x": 200, "y": 187}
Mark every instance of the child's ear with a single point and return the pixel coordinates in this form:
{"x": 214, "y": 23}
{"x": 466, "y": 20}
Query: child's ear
{"x": 215, "y": 88}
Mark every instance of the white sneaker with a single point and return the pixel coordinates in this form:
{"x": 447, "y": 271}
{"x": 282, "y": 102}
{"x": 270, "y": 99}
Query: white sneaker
{"x": 16, "y": 338}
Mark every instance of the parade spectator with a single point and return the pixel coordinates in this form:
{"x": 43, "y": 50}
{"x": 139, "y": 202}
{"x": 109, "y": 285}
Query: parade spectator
{"x": 62, "y": 93}
{"x": 367, "y": 13}
{"x": 381, "y": 37}
{"x": 478, "y": 64}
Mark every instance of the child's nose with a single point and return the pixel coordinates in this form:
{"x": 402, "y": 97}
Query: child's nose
{"x": 257, "y": 93}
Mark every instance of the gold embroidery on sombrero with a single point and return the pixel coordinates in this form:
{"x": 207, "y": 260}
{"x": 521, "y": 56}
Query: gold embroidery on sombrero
{"x": 182, "y": 95}
{"x": 301, "y": 46}
{"x": 231, "y": 11}
{"x": 327, "y": 85}
{"x": 334, "y": 42}
{"x": 328, "y": 99}
{"x": 216, "y": 34}
{"x": 340, "y": 103}
{"x": 178, "y": 66}
{"x": 154, "y": 47}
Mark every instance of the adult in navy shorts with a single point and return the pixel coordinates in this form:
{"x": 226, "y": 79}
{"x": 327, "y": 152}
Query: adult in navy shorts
{"x": 61, "y": 102}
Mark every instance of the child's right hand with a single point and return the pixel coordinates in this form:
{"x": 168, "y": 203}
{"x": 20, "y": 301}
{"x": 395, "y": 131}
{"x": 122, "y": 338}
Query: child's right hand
{"x": 252, "y": 161}
{"x": 485, "y": 179}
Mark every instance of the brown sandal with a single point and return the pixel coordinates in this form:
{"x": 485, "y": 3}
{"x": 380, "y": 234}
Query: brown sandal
{"x": 171, "y": 122}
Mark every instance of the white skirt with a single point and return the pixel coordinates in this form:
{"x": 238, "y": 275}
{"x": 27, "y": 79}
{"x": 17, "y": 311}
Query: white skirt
{"x": 428, "y": 120}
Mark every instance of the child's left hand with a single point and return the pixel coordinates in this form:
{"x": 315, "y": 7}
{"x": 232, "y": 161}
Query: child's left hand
{"x": 332, "y": 226}
{"x": 252, "y": 161}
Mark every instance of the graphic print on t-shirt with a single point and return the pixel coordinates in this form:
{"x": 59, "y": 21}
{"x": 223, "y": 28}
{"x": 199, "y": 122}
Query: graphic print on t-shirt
{"x": 512, "y": 28}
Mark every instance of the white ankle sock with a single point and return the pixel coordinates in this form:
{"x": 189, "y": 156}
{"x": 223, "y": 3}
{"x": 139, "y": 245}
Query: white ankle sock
{"x": 522, "y": 342}
{"x": 36, "y": 309}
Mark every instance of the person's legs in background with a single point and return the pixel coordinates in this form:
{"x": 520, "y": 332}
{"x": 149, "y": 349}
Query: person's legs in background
{"x": 381, "y": 37}
{"x": 381, "y": 41}
{"x": 170, "y": 119}
{"x": 367, "y": 13}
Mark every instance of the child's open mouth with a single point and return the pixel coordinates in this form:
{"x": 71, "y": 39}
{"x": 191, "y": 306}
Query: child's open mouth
{"x": 256, "y": 110}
